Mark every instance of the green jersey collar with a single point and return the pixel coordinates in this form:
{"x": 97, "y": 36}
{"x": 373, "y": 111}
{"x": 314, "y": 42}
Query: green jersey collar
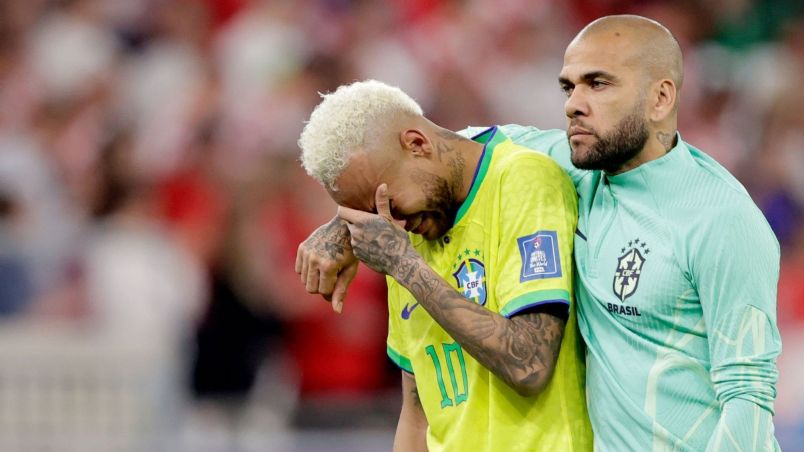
{"x": 490, "y": 138}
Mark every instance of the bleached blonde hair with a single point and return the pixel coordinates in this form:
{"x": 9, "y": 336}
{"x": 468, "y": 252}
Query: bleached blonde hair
{"x": 339, "y": 125}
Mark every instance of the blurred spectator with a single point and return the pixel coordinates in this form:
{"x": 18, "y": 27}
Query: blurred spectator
{"x": 333, "y": 355}
{"x": 16, "y": 287}
{"x": 73, "y": 49}
{"x": 143, "y": 287}
{"x": 167, "y": 89}
{"x": 47, "y": 221}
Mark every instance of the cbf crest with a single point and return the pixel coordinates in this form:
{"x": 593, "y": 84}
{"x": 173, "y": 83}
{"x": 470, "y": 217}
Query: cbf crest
{"x": 629, "y": 268}
{"x": 471, "y": 276}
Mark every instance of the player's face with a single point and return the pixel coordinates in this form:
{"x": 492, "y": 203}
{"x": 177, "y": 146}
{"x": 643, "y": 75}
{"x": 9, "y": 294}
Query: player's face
{"x": 607, "y": 122}
{"x": 418, "y": 195}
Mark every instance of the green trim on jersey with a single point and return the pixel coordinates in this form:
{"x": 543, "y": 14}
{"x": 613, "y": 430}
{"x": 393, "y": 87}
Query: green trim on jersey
{"x": 533, "y": 299}
{"x": 402, "y": 362}
{"x": 490, "y": 139}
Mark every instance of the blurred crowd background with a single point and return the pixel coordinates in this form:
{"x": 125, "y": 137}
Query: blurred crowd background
{"x": 151, "y": 198}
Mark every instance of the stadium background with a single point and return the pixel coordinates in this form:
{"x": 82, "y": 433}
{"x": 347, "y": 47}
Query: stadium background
{"x": 151, "y": 199}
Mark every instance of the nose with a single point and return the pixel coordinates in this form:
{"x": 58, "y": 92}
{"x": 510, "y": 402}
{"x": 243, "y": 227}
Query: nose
{"x": 576, "y": 104}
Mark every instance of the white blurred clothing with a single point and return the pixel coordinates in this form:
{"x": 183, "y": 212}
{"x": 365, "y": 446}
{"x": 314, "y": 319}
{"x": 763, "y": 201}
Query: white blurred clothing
{"x": 142, "y": 286}
{"x": 70, "y": 54}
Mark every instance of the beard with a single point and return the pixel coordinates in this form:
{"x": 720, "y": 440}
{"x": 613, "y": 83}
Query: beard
{"x": 441, "y": 206}
{"x": 614, "y": 149}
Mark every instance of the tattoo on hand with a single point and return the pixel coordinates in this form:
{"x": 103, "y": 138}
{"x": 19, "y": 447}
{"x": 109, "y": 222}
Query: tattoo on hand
{"x": 331, "y": 240}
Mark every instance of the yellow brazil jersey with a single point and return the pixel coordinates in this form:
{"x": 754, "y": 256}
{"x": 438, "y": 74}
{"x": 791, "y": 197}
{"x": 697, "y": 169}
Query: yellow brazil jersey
{"x": 510, "y": 250}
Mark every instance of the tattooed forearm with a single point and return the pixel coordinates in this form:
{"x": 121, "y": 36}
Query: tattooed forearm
{"x": 522, "y": 351}
{"x": 381, "y": 245}
{"x": 666, "y": 139}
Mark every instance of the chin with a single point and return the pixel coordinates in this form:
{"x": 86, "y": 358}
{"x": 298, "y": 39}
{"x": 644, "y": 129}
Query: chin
{"x": 431, "y": 234}
{"x": 436, "y": 231}
{"x": 577, "y": 157}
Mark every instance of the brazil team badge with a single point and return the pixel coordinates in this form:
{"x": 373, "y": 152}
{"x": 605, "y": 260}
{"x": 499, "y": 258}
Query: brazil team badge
{"x": 629, "y": 268}
{"x": 471, "y": 277}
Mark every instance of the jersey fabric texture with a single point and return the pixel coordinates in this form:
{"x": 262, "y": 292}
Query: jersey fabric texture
{"x": 676, "y": 290}
{"x": 509, "y": 251}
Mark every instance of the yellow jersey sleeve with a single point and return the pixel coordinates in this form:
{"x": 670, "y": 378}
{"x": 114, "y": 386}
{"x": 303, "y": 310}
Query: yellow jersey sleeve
{"x": 536, "y": 227}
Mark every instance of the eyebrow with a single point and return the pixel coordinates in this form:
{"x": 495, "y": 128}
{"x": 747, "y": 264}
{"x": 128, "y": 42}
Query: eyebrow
{"x": 589, "y": 76}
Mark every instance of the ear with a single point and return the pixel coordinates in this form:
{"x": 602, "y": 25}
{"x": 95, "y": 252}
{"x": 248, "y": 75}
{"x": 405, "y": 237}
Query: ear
{"x": 415, "y": 142}
{"x": 664, "y": 100}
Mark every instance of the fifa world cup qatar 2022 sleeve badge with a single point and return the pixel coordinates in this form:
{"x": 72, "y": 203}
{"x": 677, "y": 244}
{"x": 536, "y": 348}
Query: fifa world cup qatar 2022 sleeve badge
{"x": 540, "y": 256}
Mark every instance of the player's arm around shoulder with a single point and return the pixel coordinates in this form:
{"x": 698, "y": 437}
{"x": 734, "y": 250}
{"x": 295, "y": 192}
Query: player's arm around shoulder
{"x": 411, "y": 431}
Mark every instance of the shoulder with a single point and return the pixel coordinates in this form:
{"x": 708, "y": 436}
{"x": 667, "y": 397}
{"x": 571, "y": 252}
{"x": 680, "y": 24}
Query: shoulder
{"x": 709, "y": 186}
{"x": 517, "y": 161}
{"x": 522, "y": 172}
{"x": 721, "y": 212}
{"x": 531, "y": 137}
{"x": 537, "y": 139}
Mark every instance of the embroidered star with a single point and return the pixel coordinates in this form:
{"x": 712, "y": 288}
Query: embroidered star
{"x": 647, "y": 251}
{"x": 467, "y": 252}
{"x": 477, "y": 252}
{"x": 630, "y": 243}
{"x": 622, "y": 250}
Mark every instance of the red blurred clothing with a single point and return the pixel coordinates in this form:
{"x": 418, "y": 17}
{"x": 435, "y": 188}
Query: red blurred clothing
{"x": 332, "y": 353}
{"x": 196, "y": 209}
{"x": 791, "y": 290}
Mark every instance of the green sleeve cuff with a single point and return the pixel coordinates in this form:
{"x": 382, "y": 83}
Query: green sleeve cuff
{"x": 399, "y": 360}
{"x": 537, "y": 298}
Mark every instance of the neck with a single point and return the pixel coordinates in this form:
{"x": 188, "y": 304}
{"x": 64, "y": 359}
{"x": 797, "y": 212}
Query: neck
{"x": 461, "y": 157}
{"x": 657, "y": 146}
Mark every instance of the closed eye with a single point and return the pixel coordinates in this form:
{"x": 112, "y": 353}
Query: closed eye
{"x": 597, "y": 84}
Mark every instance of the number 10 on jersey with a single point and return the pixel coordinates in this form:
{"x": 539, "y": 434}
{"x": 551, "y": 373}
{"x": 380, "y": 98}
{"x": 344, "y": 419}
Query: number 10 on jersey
{"x": 452, "y": 355}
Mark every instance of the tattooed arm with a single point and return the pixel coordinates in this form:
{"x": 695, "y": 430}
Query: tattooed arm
{"x": 522, "y": 350}
{"x": 325, "y": 262}
{"x": 411, "y": 431}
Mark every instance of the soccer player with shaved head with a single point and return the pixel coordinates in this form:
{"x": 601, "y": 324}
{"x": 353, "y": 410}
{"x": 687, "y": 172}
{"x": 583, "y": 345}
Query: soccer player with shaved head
{"x": 676, "y": 266}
